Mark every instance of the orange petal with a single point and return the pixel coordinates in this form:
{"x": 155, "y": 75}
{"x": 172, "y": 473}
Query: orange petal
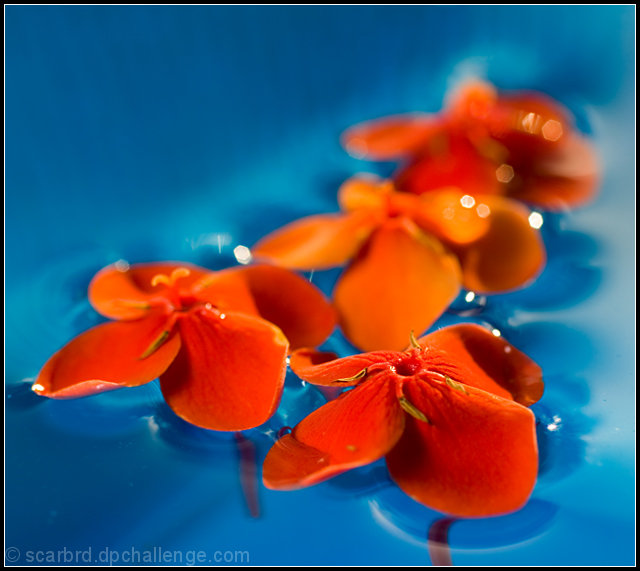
{"x": 508, "y": 256}
{"x": 121, "y": 291}
{"x": 476, "y": 457}
{"x": 528, "y": 122}
{"x": 456, "y": 165}
{"x": 108, "y": 357}
{"x": 285, "y": 299}
{"x": 451, "y": 215}
{"x": 321, "y": 368}
{"x": 565, "y": 177}
{"x": 402, "y": 280}
{"x": 230, "y": 372}
{"x": 493, "y": 364}
{"x": 316, "y": 242}
{"x": 226, "y": 290}
{"x": 363, "y": 192}
{"x": 472, "y": 100}
{"x": 391, "y": 137}
{"x": 357, "y": 428}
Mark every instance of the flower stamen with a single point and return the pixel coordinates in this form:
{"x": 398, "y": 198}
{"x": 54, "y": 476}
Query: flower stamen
{"x": 155, "y": 344}
{"x": 359, "y": 375}
{"x": 171, "y": 279}
{"x": 410, "y": 408}
{"x": 413, "y": 341}
{"x": 455, "y": 385}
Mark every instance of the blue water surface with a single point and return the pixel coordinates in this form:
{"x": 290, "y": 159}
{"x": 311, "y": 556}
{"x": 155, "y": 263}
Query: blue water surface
{"x": 164, "y": 132}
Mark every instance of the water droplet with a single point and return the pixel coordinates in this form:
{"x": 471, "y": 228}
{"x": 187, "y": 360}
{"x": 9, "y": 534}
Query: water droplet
{"x": 552, "y": 130}
{"x": 468, "y": 201}
{"x": 483, "y": 210}
{"x": 242, "y": 254}
{"x": 505, "y": 173}
{"x": 468, "y": 303}
{"x": 284, "y": 431}
{"x": 535, "y": 220}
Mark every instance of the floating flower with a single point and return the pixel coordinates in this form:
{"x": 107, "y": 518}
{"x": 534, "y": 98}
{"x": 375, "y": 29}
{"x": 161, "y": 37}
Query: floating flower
{"x": 449, "y": 415}
{"x": 522, "y": 145}
{"x": 217, "y": 340}
{"x": 409, "y": 254}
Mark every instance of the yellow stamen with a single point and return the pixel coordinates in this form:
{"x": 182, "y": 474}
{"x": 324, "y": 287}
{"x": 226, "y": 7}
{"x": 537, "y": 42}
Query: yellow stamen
{"x": 414, "y": 341}
{"x": 169, "y": 280}
{"x": 160, "y": 279}
{"x": 412, "y": 410}
{"x": 360, "y": 375}
{"x": 155, "y": 345}
{"x": 455, "y": 385}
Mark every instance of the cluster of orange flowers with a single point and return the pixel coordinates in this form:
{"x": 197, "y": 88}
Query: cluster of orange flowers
{"x": 455, "y": 214}
{"x": 450, "y": 411}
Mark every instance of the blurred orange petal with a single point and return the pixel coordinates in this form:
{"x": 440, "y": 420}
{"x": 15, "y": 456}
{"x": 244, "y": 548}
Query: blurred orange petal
{"x": 456, "y": 165}
{"x": 567, "y": 176}
{"x": 453, "y": 216}
{"x": 316, "y": 242}
{"x": 529, "y": 122}
{"x": 391, "y": 137}
{"x": 363, "y": 192}
{"x": 509, "y": 255}
{"x": 402, "y": 280}
{"x": 473, "y": 99}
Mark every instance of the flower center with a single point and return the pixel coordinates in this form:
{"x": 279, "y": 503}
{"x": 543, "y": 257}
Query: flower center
{"x": 408, "y": 366}
{"x": 399, "y": 205}
{"x": 180, "y": 300}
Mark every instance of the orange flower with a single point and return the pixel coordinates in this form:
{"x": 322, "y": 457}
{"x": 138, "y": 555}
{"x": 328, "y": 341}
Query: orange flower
{"x": 410, "y": 255}
{"x": 217, "y": 340}
{"x": 522, "y": 145}
{"x": 449, "y": 415}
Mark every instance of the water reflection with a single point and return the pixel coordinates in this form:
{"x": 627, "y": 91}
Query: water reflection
{"x": 185, "y": 439}
{"x": 50, "y": 309}
{"x": 249, "y": 479}
{"x": 420, "y": 526}
{"x": 18, "y": 395}
{"x": 561, "y": 426}
{"x": 438, "y": 542}
{"x": 114, "y": 413}
{"x": 299, "y": 399}
{"x": 213, "y": 449}
{"x": 569, "y": 276}
{"x": 360, "y": 482}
